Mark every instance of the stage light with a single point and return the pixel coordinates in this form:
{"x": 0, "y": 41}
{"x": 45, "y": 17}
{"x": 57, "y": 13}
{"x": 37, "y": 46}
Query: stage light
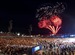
{"x": 72, "y": 40}
{"x": 18, "y": 34}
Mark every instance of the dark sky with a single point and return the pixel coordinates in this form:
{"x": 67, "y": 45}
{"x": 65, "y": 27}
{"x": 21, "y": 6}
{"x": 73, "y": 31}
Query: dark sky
{"x": 22, "y": 12}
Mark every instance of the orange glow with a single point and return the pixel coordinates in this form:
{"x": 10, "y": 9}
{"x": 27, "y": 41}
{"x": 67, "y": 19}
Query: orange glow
{"x": 53, "y": 24}
{"x": 56, "y": 20}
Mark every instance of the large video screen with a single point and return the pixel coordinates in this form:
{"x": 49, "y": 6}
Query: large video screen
{"x": 36, "y": 48}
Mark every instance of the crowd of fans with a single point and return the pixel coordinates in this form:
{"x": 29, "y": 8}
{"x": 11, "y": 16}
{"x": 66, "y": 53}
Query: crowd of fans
{"x": 58, "y": 48}
{"x": 23, "y": 45}
{"x": 17, "y": 46}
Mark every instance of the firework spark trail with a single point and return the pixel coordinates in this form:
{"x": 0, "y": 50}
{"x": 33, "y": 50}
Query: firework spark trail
{"x": 48, "y": 16}
{"x": 53, "y": 24}
{"x": 50, "y": 9}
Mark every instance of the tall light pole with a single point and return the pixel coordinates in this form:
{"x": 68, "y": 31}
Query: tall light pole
{"x": 10, "y": 26}
{"x": 30, "y": 29}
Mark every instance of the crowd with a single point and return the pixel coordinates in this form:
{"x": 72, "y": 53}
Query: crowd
{"x": 17, "y": 46}
{"x": 22, "y": 45}
{"x": 58, "y": 48}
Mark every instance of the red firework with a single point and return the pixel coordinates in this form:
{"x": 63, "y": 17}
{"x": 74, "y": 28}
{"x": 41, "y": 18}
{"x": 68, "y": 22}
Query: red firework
{"x": 53, "y": 23}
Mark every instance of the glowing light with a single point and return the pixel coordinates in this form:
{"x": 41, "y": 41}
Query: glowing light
{"x": 1, "y": 32}
{"x": 37, "y": 48}
{"x": 72, "y": 35}
{"x": 53, "y": 24}
{"x": 71, "y": 40}
{"x": 18, "y": 34}
{"x": 56, "y": 20}
{"x": 47, "y": 14}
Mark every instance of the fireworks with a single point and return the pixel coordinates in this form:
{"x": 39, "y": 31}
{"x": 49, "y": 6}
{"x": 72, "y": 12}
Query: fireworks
{"x": 49, "y": 9}
{"x": 53, "y": 24}
{"x": 48, "y": 16}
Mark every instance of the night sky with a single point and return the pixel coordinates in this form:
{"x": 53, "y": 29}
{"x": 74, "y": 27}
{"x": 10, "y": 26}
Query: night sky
{"x": 23, "y": 12}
